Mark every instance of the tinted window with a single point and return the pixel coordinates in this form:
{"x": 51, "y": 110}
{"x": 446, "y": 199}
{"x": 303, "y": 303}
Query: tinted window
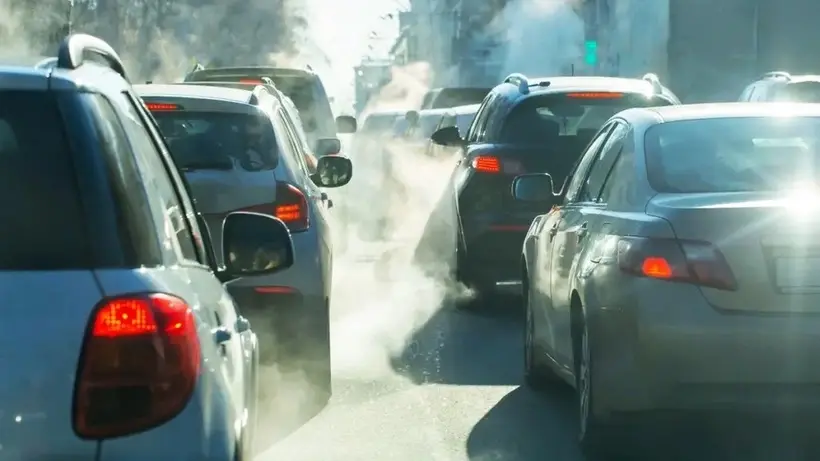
{"x": 42, "y": 219}
{"x": 463, "y": 122}
{"x": 543, "y": 119}
{"x": 219, "y": 140}
{"x": 733, "y": 154}
{"x": 798, "y": 92}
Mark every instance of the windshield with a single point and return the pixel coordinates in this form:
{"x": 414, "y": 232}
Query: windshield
{"x": 733, "y": 154}
{"x": 798, "y": 92}
{"x": 218, "y": 140}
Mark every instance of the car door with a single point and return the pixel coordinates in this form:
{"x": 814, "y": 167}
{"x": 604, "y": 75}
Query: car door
{"x": 217, "y": 307}
{"x": 567, "y": 230}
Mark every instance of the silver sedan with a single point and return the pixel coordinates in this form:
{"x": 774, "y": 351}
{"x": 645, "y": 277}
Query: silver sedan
{"x": 682, "y": 270}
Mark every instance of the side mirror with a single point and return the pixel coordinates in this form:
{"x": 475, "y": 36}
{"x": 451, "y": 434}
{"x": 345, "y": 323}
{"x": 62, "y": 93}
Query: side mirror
{"x": 448, "y": 136}
{"x": 328, "y": 146}
{"x": 333, "y": 171}
{"x": 412, "y": 117}
{"x": 255, "y": 244}
{"x": 534, "y": 188}
{"x": 346, "y": 124}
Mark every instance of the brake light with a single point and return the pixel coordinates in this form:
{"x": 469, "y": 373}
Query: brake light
{"x": 161, "y": 106}
{"x": 139, "y": 365}
{"x": 595, "y": 95}
{"x": 700, "y": 263}
{"x": 496, "y": 165}
{"x": 292, "y": 207}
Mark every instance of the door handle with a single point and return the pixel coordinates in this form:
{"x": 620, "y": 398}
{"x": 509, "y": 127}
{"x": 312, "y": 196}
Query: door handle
{"x": 222, "y": 335}
{"x": 553, "y": 231}
{"x": 242, "y": 324}
{"x": 329, "y": 204}
{"x": 324, "y": 196}
{"x": 582, "y": 232}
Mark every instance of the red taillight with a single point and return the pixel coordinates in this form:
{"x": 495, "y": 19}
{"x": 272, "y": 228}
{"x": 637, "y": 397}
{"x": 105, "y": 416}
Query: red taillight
{"x": 160, "y": 106}
{"x": 139, "y": 365}
{"x": 700, "y": 263}
{"x": 496, "y": 165}
{"x": 291, "y": 207}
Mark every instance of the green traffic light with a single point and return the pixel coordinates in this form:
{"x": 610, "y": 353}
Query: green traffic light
{"x": 591, "y": 52}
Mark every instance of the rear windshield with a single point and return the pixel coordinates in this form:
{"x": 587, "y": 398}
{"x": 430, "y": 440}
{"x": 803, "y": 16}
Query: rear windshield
{"x": 42, "y": 220}
{"x": 454, "y": 97}
{"x": 218, "y": 140}
{"x": 733, "y": 154}
{"x": 543, "y": 119}
{"x": 798, "y": 92}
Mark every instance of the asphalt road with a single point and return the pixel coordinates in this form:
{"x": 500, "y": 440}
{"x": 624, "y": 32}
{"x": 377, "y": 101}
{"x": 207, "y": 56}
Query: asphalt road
{"x": 455, "y": 395}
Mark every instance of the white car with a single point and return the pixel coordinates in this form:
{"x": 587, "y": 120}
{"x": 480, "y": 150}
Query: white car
{"x": 240, "y": 152}
{"x": 120, "y": 341}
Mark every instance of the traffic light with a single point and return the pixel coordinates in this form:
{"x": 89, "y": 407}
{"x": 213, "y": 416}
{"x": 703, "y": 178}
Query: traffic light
{"x": 591, "y": 56}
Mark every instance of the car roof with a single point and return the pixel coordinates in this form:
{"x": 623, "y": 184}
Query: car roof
{"x": 586, "y": 83}
{"x": 194, "y": 91}
{"x": 729, "y": 110}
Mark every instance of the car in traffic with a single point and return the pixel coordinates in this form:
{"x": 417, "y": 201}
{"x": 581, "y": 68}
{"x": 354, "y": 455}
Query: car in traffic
{"x": 120, "y": 340}
{"x": 781, "y": 86}
{"x": 460, "y": 117}
{"x": 677, "y": 272}
{"x": 446, "y": 98}
{"x": 239, "y": 152}
{"x": 523, "y": 126}
{"x": 302, "y": 86}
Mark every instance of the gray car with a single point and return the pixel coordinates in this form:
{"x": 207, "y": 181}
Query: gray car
{"x": 679, "y": 271}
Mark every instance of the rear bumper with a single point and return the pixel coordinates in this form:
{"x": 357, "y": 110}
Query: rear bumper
{"x": 660, "y": 346}
{"x": 491, "y": 247}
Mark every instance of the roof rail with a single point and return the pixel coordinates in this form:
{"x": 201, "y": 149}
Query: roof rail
{"x": 47, "y": 63}
{"x": 309, "y": 67}
{"x": 653, "y": 79}
{"x": 520, "y": 80}
{"x": 75, "y": 48}
{"x": 776, "y": 74}
{"x": 256, "y": 95}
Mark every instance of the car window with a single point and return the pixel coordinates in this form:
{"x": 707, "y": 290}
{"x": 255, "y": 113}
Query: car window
{"x": 295, "y": 145}
{"x": 733, "y": 154}
{"x": 480, "y": 122}
{"x": 797, "y": 92}
{"x": 43, "y": 226}
{"x": 604, "y": 160}
{"x": 201, "y": 140}
{"x": 578, "y": 177}
{"x": 168, "y": 212}
{"x": 136, "y": 216}
{"x": 619, "y": 186}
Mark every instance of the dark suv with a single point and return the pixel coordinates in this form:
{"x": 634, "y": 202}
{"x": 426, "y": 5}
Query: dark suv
{"x": 525, "y": 126}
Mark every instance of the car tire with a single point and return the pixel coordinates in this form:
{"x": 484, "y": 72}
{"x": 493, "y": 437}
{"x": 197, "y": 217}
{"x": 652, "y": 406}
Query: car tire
{"x": 596, "y": 438}
{"x": 480, "y": 296}
{"x": 323, "y": 369}
{"x": 537, "y": 374}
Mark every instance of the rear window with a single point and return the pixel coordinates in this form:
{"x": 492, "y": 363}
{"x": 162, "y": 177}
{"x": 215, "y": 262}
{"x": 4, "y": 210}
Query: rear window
{"x": 454, "y": 97}
{"x": 543, "y": 119}
{"x": 42, "y": 219}
{"x": 218, "y": 140}
{"x": 733, "y": 154}
{"x": 798, "y": 92}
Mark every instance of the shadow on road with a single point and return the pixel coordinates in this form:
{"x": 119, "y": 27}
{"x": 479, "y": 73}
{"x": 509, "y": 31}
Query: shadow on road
{"x": 467, "y": 348}
{"x": 525, "y": 426}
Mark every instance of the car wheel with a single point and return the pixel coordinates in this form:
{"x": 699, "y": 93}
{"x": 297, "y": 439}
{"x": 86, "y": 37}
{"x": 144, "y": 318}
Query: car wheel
{"x": 537, "y": 374}
{"x": 594, "y": 437}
